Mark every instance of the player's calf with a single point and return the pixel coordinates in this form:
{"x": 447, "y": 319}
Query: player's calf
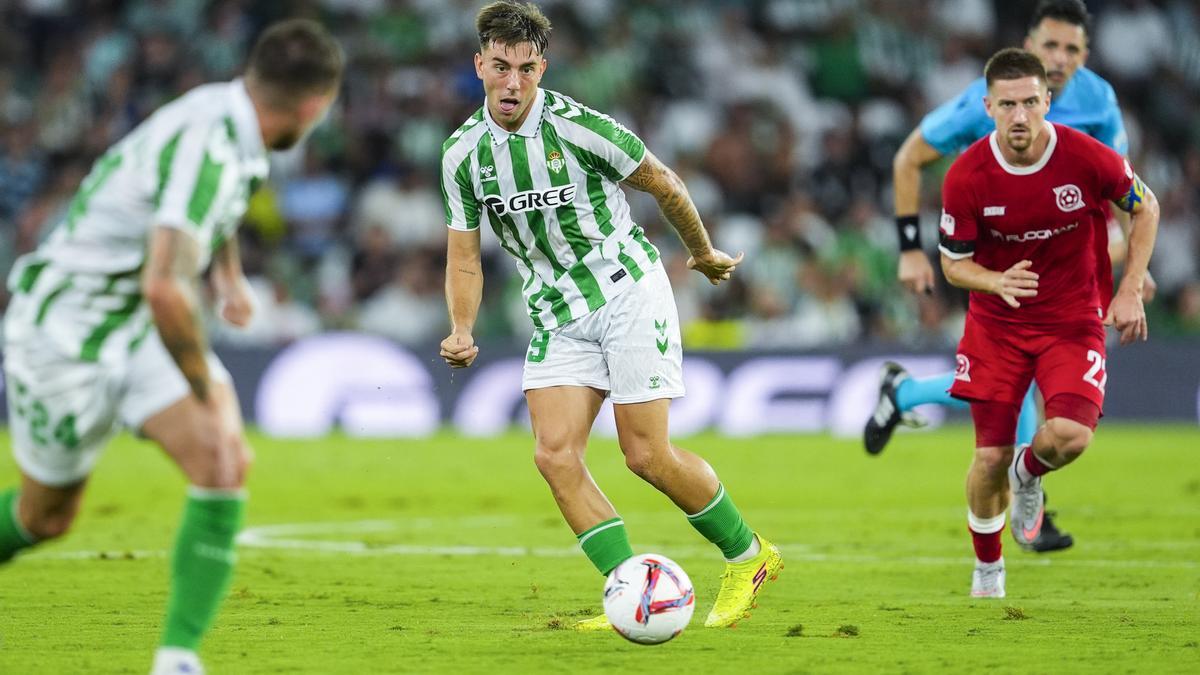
{"x": 36, "y": 513}
{"x": 1066, "y": 438}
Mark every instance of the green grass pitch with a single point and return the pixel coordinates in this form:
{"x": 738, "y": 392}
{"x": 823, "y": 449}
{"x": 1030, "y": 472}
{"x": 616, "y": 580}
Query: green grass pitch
{"x": 447, "y": 555}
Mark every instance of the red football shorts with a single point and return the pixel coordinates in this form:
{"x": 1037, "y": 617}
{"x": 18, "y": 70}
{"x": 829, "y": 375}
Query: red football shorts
{"x": 997, "y": 360}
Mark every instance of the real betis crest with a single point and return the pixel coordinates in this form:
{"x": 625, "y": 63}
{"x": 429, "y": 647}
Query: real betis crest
{"x": 555, "y": 161}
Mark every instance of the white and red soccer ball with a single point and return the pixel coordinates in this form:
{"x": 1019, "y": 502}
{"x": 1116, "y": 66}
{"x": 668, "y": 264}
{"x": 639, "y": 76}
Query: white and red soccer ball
{"x": 648, "y": 599}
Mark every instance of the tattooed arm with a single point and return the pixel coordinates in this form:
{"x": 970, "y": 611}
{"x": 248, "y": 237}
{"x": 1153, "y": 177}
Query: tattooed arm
{"x": 171, "y": 286}
{"x": 656, "y": 179}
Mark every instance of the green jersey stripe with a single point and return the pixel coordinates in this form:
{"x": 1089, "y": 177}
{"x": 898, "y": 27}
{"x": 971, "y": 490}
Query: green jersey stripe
{"x": 112, "y": 321}
{"x": 639, "y": 237}
{"x": 595, "y": 188}
{"x": 541, "y": 177}
{"x": 629, "y": 263}
{"x": 602, "y": 125}
{"x": 586, "y": 281}
{"x": 558, "y": 305}
{"x": 568, "y": 219}
{"x": 49, "y": 300}
{"x": 99, "y": 174}
{"x": 469, "y": 206}
{"x": 462, "y": 130}
{"x": 29, "y": 276}
{"x": 142, "y": 334}
{"x": 594, "y": 161}
{"x": 205, "y": 193}
{"x": 164, "y": 165}
{"x": 519, "y": 159}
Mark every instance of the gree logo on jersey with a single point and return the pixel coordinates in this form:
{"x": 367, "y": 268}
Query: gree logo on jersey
{"x": 1033, "y": 235}
{"x": 531, "y": 200}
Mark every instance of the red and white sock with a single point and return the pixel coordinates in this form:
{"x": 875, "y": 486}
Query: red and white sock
{"x": 985, "y": 535}
{"x": 1030, "y": 466}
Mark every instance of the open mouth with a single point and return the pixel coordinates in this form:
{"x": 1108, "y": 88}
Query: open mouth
{"x": 507, "y": 105}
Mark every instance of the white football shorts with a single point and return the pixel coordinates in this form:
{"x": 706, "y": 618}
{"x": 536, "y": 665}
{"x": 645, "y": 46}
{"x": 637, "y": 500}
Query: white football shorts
{"x": 62, "y": 410}
{"x": 630, "y": 347}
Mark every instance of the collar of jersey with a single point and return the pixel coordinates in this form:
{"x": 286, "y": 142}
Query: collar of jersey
{"x": 529, "y": 128}
{"x": 245, "y": 120}
{"x": 1024, "y": 170}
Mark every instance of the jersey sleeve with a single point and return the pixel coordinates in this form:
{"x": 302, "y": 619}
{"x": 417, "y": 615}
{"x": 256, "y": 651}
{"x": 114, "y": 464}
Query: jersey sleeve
{"x": 1117, "y": 181}
{"x": 607, "y": 146}
{"x": 958, "y": 122}
{"x": 189, "y": 166}
{"x": 458, "y": 196}
{"x": 958, "y": 228}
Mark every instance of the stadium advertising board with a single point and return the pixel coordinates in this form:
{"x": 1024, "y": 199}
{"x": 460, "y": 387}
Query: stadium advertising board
{"x": 368, "y": 386}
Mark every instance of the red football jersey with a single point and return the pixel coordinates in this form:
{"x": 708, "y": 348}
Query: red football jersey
{"x": 1052, "y": 213}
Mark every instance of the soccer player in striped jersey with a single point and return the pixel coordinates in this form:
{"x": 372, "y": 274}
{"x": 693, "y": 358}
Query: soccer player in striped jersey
{"x": 544, "y": 173}
{"x": 104, "y": 329}
{"x": 1081, "y": 99}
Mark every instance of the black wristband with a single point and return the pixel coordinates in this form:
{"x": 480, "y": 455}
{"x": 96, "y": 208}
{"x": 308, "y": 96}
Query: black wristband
{"x": 908, "y": 231}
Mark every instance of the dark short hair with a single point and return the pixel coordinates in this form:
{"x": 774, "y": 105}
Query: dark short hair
{"x": 294, "y": 59}
{"x": 1012, "y": 63}
{"x": 1068, "y": 11}
{"x": 511, "y": 23}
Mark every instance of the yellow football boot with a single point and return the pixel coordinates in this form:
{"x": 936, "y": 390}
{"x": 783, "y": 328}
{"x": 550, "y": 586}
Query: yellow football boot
{"x": 740, "y": 585}
{"x": 593, "y": 624}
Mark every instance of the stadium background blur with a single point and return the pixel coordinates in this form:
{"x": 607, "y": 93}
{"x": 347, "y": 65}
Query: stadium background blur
{"x": 781, "y": 115}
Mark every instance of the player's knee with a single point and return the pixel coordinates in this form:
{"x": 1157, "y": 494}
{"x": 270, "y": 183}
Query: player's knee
{"x": 217, "y": 466}
{"x": 994, "y": 460}
{"x": 643, "y": 459}
{"x": 1070, "y": 437}
{"x": 555, "y": 460}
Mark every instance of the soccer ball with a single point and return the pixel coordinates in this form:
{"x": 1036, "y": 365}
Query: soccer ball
{"x": 648, "y": 599}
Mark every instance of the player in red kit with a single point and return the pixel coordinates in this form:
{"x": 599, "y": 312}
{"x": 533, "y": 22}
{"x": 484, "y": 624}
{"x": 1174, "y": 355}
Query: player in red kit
{"x": 1022, "y": 215}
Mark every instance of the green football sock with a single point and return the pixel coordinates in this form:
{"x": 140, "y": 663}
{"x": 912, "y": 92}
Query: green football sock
{"x": 720, "y": 523}
{"x": 202, "y": 565}
{"x": 606, "y": 545}
{"x": 13, "y": 535}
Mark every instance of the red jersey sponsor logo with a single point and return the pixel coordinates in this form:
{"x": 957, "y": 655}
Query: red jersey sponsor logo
{"x": 1033, "y": 235}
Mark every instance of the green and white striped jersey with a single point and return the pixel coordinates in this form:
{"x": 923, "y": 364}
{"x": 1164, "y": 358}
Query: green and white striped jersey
{"x": 191, "y": 165}
{"x": 550, "y": 193}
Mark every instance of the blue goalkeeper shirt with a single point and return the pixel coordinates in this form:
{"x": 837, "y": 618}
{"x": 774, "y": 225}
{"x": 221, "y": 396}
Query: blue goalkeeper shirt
{"x": 1086, "y": 104}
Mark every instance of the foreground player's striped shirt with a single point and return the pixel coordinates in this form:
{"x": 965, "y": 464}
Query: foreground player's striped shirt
{"x": 191, "y": 165}
{"x": 550, "y": 193}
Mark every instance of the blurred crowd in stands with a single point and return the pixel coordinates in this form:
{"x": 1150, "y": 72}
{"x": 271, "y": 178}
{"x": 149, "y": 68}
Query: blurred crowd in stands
{"x": 781, "y": 115}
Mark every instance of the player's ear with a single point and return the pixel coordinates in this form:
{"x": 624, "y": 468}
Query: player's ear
{"x": 479, "y": 65}
{"x": 987, "y": 105}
